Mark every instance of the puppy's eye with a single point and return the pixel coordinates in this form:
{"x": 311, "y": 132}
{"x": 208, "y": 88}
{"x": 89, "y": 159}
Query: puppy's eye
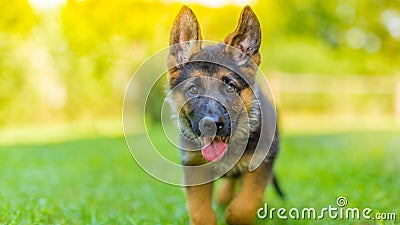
{"x": 193, "y": 90}
{"x": 230, "y": 88}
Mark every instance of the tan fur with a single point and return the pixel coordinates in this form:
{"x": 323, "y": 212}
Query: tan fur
{"x": 247, "y": 97}
{"x": 173, "y": 72}
{"x": 199, "y": 205}
{"x": 226, "y": 191}
{"x": 257, "y": 58}
{"x": 243, "y": 208}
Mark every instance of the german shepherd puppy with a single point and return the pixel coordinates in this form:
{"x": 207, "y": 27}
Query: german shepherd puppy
{"x": 221, "y": 113}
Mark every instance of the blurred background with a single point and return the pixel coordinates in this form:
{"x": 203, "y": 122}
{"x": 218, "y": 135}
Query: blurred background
{"x": 70, "y": 61}
{"x": 333, "y": 66}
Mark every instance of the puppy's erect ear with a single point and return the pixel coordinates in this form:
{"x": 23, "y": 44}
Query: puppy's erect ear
{"x": 246, "y": 37}
{"x": 185, "y": 37}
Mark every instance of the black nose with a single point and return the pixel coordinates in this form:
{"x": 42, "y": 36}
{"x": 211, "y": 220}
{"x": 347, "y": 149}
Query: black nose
{"x": 209, "y": 126}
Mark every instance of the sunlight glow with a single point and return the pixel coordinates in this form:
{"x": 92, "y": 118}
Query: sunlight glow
{"x": 46, "y": 4}
{"x": 215, "y": 3}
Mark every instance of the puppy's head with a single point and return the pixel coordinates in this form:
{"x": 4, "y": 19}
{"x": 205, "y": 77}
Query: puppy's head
{"x": 213, "y": 84}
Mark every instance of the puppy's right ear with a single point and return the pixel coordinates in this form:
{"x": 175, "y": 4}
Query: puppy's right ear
{"x": 246, "y": 37}
{"x": 185, "y": 39}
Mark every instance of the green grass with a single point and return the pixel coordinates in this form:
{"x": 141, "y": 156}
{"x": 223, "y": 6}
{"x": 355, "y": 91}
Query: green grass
{"x": 96, "y": 181}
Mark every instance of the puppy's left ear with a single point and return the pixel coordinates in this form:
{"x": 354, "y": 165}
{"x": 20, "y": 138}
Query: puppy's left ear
{"x": 185, "y": 37}
{"x": 246, "y": 37}
{"x": 185, "y": 40}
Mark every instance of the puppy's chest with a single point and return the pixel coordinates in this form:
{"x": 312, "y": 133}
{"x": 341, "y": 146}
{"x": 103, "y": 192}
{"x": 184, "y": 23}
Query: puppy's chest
{"x": 238, "y": 169}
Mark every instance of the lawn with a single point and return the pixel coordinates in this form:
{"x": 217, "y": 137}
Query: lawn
{"x": 96, "y": 181}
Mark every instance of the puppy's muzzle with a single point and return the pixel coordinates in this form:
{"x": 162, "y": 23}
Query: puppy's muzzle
{"x": 211, "y": 126}
{"x": 207, "y": 127}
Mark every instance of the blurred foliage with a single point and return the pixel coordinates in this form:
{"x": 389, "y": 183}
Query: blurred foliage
{"x": 74, "y": 62}
{"x": 17, "y": 17}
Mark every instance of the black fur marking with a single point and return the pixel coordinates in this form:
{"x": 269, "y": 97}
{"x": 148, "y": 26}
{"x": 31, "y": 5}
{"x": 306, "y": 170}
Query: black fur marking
{"x": 203, "y": 62}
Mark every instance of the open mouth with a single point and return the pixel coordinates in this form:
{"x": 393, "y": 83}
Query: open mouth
{"x": 214, "y": 148}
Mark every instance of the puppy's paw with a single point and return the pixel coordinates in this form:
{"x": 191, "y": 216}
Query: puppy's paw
{"x": 238, "y": 213}
{"x": 204, "y": 218}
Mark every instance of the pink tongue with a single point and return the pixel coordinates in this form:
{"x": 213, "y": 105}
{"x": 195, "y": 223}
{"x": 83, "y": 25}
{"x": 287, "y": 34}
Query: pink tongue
{"x": 214, "y": 151}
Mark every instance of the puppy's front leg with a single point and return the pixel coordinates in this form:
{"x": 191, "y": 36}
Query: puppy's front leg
{"x": 199, "y": 204}
{"x": 243, "y": 207}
